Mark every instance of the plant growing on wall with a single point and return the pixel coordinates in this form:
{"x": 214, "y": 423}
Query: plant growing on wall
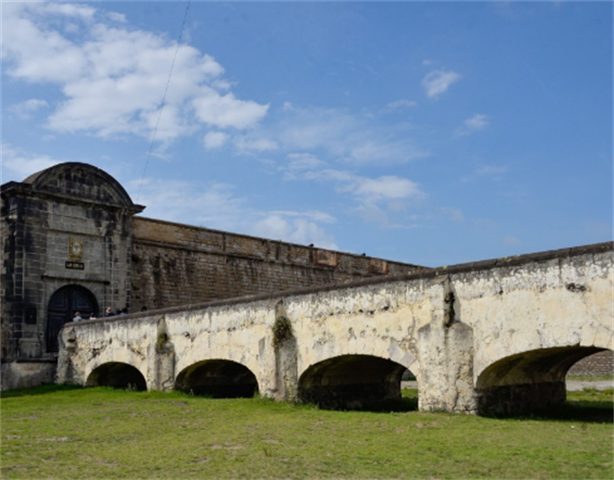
{"x": 282, "y": 330}
{"x": 161, "y": 342}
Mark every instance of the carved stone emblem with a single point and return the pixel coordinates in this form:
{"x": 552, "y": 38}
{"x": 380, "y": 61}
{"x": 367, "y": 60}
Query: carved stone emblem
{"x": 75, "y": 250}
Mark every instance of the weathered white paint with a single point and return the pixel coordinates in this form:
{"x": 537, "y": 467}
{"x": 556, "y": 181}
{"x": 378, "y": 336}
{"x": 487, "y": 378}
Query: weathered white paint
{"x": 500, "y": 309}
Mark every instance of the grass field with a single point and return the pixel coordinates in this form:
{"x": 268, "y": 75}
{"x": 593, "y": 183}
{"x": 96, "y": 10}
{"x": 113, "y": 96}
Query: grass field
{"x": 63, "y": 433}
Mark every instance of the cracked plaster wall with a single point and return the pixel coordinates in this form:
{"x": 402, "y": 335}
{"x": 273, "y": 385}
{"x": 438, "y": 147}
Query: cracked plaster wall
{"x": 446, "y": 342}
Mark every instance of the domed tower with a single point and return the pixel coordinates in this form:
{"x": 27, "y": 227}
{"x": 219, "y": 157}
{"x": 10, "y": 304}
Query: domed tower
{"x": 66, "y": 237}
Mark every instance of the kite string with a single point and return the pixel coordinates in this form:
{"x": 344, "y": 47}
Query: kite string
{"x": 168, "y": 82}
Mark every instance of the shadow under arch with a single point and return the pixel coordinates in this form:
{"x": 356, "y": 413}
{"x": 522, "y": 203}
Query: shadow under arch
{"x": 217, "y": 379}
{"x": 352, "y": 382}
{"x": 528, "y": 382}
{"x": 117, "y": 375}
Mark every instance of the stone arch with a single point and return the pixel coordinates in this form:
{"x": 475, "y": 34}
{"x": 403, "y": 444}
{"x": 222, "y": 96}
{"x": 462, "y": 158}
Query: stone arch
{"x": 525, "y": 382}
{"x": 380, "y": 335}
{"x": 113, "y": 351}
{"x": 117, "y": 375}
{"x": 218, "y": 378}
{"x": 80, "y": 180}
{"x": 63, "y": 303}
{"x": 351, "y": 382}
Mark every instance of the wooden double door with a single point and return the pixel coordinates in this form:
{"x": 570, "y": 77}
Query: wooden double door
{"x": 62, "y": 307}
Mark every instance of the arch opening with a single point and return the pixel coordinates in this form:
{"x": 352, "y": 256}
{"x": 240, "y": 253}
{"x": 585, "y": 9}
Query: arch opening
{"x": 352, "y": 382}
{"x": 593, "y": 367}
{"x": 528, "y": 382}
{"x": 217, "y": 379}
{"x": 117, "y": 375}
{"x": 62, "y": 307}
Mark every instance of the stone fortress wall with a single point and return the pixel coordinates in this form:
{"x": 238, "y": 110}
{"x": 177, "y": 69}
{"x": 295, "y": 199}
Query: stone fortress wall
{"x": 181, "y": 265}
{"x": 70, "y": 240}
{"x": 4, "y": 251}
{"x": 175, "y": 264}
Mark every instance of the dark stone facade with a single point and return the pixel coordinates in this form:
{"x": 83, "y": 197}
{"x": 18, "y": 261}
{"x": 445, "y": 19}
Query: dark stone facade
{"x": 70, "y": 241}
{"x": 66, "y": 236}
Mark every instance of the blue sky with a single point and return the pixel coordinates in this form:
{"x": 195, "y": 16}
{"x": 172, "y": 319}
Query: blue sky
{"x": 430, "y": 133}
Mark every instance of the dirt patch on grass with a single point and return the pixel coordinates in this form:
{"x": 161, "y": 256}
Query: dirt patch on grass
{"x": 54, "y": 439}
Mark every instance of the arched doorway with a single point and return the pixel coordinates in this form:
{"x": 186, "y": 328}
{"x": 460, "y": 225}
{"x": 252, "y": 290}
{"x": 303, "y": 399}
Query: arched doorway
{"x": 62, "y": 306}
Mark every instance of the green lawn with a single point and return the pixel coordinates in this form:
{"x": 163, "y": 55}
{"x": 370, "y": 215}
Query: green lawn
{"x": 103, "y": 433}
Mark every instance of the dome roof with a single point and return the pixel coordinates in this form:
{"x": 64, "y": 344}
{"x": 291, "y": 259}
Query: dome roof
{"x": 80, "y": 180}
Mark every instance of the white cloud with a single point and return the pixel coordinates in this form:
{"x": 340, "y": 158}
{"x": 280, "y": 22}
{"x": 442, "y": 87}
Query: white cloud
{"x": 454, "y": 214}
{"x": 113, "y": 77}
{"x": 314, "y": 215}
{"x": 273, "y": 227}
{"x": 491, "y": 170}
{"x": 215, "y": 206}
{"x": 312, "y": 128}
{"x": 386, "y": 187}
{"x": 245, "y": 144}
{"x": 67, "y": 9}
{"x": 476, "y": 123}
{"x": 399, "y": 104}
{"x": 25, "y": 109}
{"x": 438, "y": 81}
{"x": 376, "y": 150}
{"x": 304, "y": 161}
{"x": 300, "y": 162}
{"x": 18, "y": 165}
{"x": 509, "y": 240}
{"x": 376, "y": 198}
{"x": 484, "y": 223}
{"x": 352, "y": 139}
{"x": 35, "y": 54}
{"x": 215, "y": 139}
{"x": 117, "y": 17}
{"x": 370, "y": 190}
{"x": 340, "y": 176}
{"x": 494, "y": 172}
{"x": 297, "y": 230}
{"x": 222, "y": 84}
{"x": 226, "y": 110}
